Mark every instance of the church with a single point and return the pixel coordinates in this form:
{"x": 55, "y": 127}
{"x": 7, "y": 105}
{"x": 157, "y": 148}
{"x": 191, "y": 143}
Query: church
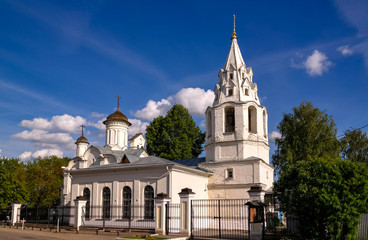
{"x": 121, "y": 173}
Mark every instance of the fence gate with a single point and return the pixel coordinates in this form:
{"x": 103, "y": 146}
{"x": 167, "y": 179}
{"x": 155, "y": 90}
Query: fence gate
{"x": 221, "y": 218}
{"x": 172, "y": 218}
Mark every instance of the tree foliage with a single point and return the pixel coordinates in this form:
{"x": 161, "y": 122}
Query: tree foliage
{"x": 175, "y": 136}
{"x": 12, "y": 181}
{"x": 354, "y": 146}
{"x": 44, "y": 179}
{"x": 306, "y": 133}
{"x": 327, "y": 195}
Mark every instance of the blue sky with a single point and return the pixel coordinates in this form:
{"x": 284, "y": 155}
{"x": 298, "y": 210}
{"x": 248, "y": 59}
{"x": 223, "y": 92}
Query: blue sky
{"x": 63, "y": 62}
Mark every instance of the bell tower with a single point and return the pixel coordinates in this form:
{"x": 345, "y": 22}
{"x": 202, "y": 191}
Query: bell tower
{"x": 236, "y": 123}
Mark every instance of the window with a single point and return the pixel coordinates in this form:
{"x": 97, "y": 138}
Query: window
{"x": 148, "y": 202}
{"x": 246, "y": 92}
{"x": 231, "y": 75}
{"x": 106, "y": 196}
{"x": 229, "y": 119}
{"x": 252, "y": 119}
{"x": 229, "y": 173}
{"x": 127, "y": 200}
{"x": 230, "y": 92}
{"x": 243, "y": 75}
{"x": 264, "y": 124}
{"x": 209, "y": 124}
{"x": 87, "y": 194}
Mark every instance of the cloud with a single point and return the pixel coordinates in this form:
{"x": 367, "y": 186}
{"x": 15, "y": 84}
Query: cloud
{"x": 99, "y": 124}
{"x": 97, "y": 115}
{"x": 315, "y": 65}
{"x": 42, "y": 138}
{"x": 137, "y": 127}
{"x": 40, "y": 153}
{"x": 196, "y": 100}
{"x": 273, "y": 135}
{"x": 62, "y": 123}
{"x": 153, "y": 109}
{"x": 345, "y": 50}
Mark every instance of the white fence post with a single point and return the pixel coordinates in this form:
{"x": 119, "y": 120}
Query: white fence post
{"x": 186, "y": 195}
{"x": 15, "y": 212}
{"x": 160, "y": 207}
{"x": 80, "y": 204}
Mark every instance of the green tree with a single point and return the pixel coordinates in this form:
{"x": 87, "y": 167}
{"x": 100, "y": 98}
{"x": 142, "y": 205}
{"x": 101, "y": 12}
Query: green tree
{"x": 307, "y": 132}
{"x": 175, "y": 136}
{"x": 326, "y": 194}
{"x": 354, "y": 146}
{"x": 44, "y": 177}
{"x": 12, "y": 181}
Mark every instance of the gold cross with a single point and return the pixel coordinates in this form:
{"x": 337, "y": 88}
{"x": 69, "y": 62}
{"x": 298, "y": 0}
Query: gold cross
{"x": 82, "y": 126}
{"x": 118, "y": 96}
{"x": 234, "y": 22}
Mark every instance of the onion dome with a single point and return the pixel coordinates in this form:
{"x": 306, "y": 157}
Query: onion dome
{"x": 82, "y": 138}
{"x": 117, "y": 116}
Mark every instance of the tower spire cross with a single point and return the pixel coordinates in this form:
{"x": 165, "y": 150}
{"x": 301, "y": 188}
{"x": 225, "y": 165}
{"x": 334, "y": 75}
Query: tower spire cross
{"x": 82, "y": 126}
{"x": 234, "y": 22}
{"x": 118, "y": 96}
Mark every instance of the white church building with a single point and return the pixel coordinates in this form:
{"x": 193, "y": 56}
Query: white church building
{"x": 121, "y": 173}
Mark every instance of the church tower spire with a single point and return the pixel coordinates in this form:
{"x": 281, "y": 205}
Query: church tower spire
{"x": 82, "y": 144}
{"x": 236, "y": 121}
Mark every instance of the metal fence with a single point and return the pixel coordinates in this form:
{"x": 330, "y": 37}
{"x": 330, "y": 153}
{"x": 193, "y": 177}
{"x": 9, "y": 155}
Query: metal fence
{"x": 363, "y": 227}
{"x": 172, "y": 218}
{"x": 225, "y": 218}
{"x": 47, "y": 215}
{"x": 5, "y": 215}
{"x": 122, "y": 217}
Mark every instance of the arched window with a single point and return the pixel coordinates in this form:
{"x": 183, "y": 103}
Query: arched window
{"x": 229, "y": 119}
{"x": 209, "y": 124}
{"x": 106, "y": 196}
{"x": 127, "y": 201}
{"x": 252, "y": 119}
{"x": 148, "y": 202}
{"x": 87, "y": 194}
{"x": 264, "y": 124}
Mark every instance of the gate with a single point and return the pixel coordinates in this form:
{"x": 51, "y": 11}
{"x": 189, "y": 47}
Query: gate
{"x": 221, "y": 218}
{"x": 172, "y": 218}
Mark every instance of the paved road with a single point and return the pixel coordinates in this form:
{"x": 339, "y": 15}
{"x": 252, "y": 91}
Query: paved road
{"x": 19, "y": 234}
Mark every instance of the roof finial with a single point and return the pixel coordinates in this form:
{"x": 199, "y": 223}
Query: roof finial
{"x": 82, "y": 126}
{"x": 118, "y": 96}
{"x": 234, "y": 33}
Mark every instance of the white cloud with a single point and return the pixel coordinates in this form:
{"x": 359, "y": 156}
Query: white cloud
{"x": 97, "y": 115}
{"x": 345, "y": 50}
{"x": 273, "y": 135}
{"x": 25, "y": 156}
{"x": 137, "y": 127}
{"x": 63, "y": 123}
{"x": 42, "y": 138}
{"x": 40, "y": 153}
{"x": 317, "y": 63}
{"x": 196, "y": 100}
{"x": 153, "y": 109}
{"x": 99, "y": 124}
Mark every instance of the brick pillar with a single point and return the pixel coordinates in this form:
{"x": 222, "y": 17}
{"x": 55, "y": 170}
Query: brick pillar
{"x": 79, "y": 213}
{"x": 186, "y": 195}
{"x": 15, "y": 218}
{"x": 160, "y": 212}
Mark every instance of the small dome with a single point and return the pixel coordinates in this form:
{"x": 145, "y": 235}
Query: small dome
{"x": 117, "y": 116}
{"x": 81, "y": 139}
